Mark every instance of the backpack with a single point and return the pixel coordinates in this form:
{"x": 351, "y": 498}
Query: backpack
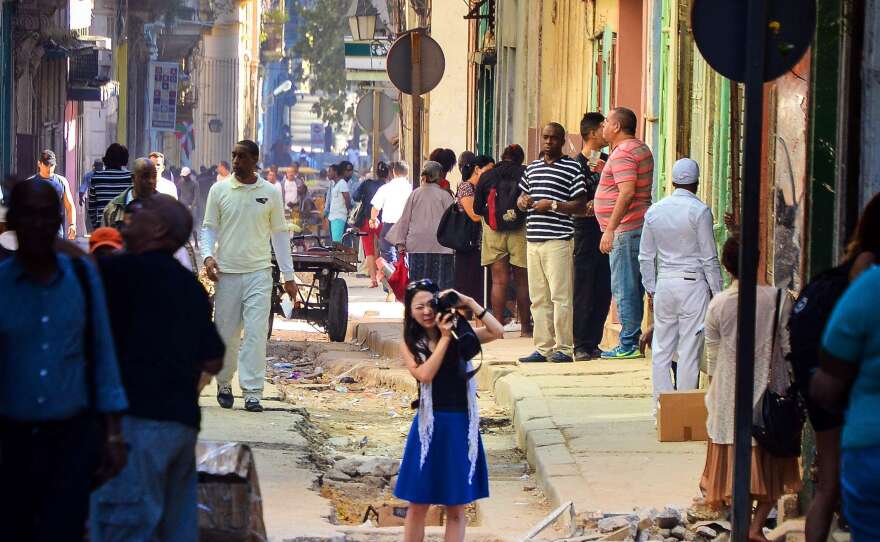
{"x": 810, "y": 313}
{"x": 501, "y": 192}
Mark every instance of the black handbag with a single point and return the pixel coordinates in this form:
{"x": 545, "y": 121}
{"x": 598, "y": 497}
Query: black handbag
{"x": 781, "y": 418}
{"x": 457, "y": 231}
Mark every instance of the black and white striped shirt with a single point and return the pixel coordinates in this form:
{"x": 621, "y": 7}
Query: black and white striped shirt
{"x": 105, "y": 186}
{"x": 562, "y": 180}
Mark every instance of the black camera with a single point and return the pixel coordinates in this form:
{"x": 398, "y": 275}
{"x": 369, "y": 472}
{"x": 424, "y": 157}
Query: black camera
{"x": 445, "y": 302}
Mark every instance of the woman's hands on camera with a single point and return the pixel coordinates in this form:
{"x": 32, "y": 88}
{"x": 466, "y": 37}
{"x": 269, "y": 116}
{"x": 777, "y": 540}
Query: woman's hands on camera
{"x": 445, "y": 322}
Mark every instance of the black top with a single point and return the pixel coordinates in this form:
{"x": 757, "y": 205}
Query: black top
{"x": 364, "y": 194}
{"x": 591, "y": 182}
{"x": 188, "y": 192}
{"x": 161, "y": 321}
{"x": 449, "y": 388}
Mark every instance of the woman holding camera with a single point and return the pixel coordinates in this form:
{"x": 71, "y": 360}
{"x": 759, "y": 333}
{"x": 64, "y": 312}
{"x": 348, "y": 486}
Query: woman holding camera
{"x": 443, "y": 462}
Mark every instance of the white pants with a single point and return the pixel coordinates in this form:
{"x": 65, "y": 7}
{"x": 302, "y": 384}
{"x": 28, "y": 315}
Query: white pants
{"x": 679, "y": 310}
{"x": 243, "y": 300}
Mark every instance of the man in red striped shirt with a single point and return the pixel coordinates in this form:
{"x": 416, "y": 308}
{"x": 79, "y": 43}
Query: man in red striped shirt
{"x": 622, "y": 199}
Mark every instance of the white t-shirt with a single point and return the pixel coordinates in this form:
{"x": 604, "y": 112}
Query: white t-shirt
{"x": 276, "y": 185}
{"x": 291, "y": 192}
{"x": 338, "y": 211}
{"x": 391, "y": 197}
{"x": 164, "y": 186}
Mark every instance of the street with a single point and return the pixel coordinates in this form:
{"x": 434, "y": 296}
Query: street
{"x": 582, "y": 433}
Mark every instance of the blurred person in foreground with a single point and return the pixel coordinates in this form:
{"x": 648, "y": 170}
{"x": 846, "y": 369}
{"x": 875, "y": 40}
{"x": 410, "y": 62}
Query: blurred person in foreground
{"x": 61, "y": 394}
{"x": 416, "y": 231}
{"x": 848, "y": 381}
{"x": 105, "y": 242}
{"x": 771, "y": 477}
{"x": 243, "y": 216}
{"x": 147, "y": 285}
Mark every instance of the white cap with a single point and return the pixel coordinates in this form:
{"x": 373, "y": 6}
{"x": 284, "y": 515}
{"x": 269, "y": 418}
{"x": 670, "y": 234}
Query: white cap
{"x": 685, "y": 171}
{"x": 184, "y": 171}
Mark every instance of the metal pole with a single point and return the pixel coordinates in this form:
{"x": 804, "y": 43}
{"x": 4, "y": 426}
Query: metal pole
{"x": 416, "y": 52}
{"x": 748, "y": 269}
{"x": 374, "y": 150}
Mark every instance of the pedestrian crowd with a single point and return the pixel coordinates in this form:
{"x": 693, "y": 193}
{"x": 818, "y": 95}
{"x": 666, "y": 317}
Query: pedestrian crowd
{"x": 104, "y": 355}
{"x": 582, "y": 231}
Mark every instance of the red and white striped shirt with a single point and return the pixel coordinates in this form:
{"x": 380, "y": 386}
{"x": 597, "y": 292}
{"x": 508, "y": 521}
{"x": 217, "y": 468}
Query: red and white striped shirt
{"x": 631, "y": 161}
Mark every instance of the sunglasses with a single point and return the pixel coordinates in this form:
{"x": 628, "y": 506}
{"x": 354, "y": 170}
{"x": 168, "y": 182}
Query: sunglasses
{"x": 427, "y": 285}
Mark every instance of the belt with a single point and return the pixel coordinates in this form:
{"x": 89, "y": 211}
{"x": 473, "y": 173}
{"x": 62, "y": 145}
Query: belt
{"x": 686, "y": 275}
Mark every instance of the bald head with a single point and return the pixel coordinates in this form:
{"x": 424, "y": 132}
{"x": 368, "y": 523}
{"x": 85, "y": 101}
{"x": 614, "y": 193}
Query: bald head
{"x": 161, "y": 224}
{"x": 143, "y": 177}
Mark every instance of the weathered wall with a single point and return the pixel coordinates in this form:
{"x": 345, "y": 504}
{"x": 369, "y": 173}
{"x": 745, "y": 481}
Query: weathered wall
{"x": 870, "y": 163}
{"x": 446, "y": 113}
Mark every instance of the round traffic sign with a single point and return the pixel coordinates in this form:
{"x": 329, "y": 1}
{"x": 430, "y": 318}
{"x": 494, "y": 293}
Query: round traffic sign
{"x": 719, "y": 28}
{"x": 400, "y": 65}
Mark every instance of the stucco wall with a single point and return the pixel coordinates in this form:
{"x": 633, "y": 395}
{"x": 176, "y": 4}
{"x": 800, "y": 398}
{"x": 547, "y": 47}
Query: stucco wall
{"x": 447, "y": 109}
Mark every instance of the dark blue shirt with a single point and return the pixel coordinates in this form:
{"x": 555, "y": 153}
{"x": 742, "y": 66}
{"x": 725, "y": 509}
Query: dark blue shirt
{"x": 42, "y": 333}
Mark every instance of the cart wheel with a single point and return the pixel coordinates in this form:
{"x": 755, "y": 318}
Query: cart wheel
{"x": 337, "y": 310}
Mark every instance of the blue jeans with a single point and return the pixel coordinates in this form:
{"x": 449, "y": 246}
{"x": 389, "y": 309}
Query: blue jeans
{"x": 860, "y": 489}
{"x": 386, "y": 249}
{"x": 626, "y": 286}
{"x": 154, "y": 497}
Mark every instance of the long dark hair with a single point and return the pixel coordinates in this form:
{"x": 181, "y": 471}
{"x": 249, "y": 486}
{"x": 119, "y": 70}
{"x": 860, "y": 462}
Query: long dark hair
{"x": 414, "y": 335}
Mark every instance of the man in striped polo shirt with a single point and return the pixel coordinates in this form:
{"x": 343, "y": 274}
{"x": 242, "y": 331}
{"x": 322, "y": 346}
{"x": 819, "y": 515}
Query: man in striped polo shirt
{"x": 552, "y": 190}
{"x": 109, "y": 183}
{"x": 622, "y": 199}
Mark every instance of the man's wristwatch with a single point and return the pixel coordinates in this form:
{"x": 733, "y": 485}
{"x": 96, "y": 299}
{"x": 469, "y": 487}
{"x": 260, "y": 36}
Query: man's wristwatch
{"x": 554, "y": 205}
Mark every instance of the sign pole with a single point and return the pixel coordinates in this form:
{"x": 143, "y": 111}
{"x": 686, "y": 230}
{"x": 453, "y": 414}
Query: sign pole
{"x": 756, "y": 31}
{"x": 416, "y": 47}
{"x": 375, "y": 136}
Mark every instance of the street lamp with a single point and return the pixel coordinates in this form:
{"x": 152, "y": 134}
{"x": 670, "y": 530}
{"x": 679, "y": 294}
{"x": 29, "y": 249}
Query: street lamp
{"x": 362, "y": 20}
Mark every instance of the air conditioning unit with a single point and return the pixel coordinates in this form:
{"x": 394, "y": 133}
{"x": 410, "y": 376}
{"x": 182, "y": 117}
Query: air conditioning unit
{"x": 91, "y": 64}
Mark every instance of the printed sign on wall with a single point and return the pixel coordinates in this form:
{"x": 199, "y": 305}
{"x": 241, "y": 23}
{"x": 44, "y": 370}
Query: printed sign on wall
{"x": 163, "y": 89}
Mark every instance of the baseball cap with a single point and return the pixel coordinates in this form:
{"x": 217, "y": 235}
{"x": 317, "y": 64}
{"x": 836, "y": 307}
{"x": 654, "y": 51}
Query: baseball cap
{"x": 105, "y": 237}
{"x": 685, "y": 171}
{"x": 48, "y": 157}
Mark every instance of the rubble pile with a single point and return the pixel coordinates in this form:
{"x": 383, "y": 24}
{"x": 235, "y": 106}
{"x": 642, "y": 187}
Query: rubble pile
{"x": 648, "y": 525}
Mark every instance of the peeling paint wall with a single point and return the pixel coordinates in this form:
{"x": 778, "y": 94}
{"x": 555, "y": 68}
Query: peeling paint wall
{"x": 870, "y": 162}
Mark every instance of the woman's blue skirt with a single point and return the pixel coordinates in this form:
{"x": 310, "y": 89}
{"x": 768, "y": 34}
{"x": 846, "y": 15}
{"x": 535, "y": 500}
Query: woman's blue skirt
{"x": 443, "y": 479}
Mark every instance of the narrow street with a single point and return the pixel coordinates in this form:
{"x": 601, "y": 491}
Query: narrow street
{"x": 325, "y": 447}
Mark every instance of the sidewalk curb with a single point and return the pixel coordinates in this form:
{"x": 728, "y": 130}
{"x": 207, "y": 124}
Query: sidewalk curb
{"x": 544, "y": 443}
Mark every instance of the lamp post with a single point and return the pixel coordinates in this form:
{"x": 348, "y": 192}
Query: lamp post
{"x": 362, "y": 21}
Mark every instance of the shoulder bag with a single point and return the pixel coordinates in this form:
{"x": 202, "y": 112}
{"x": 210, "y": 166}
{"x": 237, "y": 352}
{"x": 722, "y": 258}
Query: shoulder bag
{"x": 457, "y": 231}
{"x": 780, "y": 421}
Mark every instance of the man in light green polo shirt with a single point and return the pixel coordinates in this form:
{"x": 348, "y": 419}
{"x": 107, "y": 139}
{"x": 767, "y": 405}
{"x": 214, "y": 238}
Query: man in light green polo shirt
{"x": 243, "y": 213}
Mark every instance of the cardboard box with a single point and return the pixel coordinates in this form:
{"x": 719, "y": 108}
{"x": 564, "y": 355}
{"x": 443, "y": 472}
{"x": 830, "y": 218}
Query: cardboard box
{"x": 682, "y": 416}
{"x": 393, "y": 515}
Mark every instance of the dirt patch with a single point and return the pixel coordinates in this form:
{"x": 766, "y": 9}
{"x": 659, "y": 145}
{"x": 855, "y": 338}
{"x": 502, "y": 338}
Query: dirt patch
{"x": 355, "y": 421}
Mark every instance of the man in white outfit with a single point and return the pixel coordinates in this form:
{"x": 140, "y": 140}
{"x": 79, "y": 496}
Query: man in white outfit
{"x": 680, "y": 272}
{"x": 242, "y": 214}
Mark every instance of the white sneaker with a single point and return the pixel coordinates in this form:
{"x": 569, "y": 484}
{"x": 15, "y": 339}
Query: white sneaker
{"x": 512, "y": 326}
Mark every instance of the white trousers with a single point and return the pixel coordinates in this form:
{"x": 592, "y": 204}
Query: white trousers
{"x": 679, "y": 310}
{"x": 241, "y": 303}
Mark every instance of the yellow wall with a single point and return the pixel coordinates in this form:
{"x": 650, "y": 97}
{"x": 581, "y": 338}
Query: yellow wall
{"x": 446, "y": 104}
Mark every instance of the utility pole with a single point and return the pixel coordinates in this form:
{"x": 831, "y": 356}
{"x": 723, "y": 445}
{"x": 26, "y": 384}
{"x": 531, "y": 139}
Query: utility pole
{"x": 416, "y": 48}
{"x": 374, "y": 147}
